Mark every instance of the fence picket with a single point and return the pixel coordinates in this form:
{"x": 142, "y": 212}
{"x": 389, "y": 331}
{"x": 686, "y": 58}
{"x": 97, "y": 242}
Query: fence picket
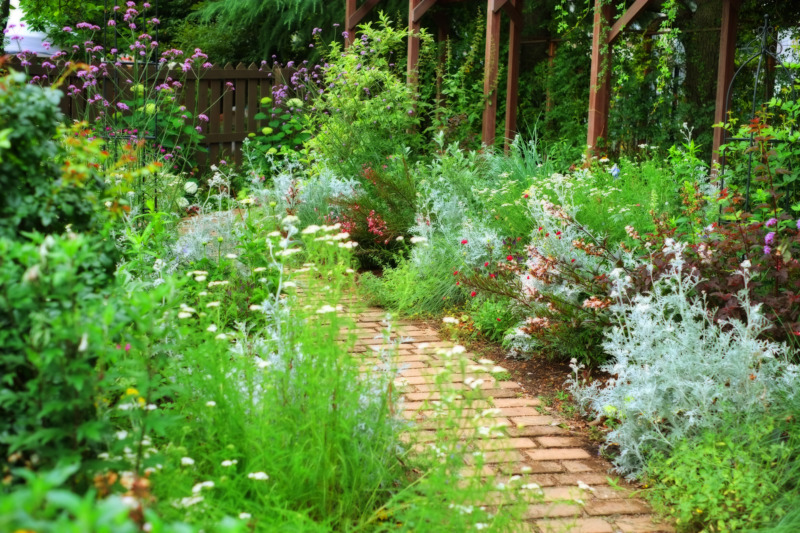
{"x": 239, "y": 96}
{"x": 253, "y": 104}
{"x": 231, "y": 113}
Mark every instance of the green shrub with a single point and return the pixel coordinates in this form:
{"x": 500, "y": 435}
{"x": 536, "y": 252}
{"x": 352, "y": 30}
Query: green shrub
{"x": 741, "y": 477}
{"x": 37, "y": 195}
{"x": 493, "y": 317}
{"x": 53, "y": 331}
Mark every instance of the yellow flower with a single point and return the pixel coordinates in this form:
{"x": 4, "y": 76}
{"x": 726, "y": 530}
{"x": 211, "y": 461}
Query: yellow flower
{"x": 130, "y": 391}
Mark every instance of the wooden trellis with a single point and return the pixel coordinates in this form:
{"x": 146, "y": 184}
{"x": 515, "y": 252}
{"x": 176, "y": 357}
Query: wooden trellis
{"x": 354, "y": 14}
{"x": 600, "y": 82}
{"x": 606, "y": 31}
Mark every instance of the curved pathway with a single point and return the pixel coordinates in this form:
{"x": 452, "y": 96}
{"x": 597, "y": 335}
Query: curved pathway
{"x": 577, "y": 495}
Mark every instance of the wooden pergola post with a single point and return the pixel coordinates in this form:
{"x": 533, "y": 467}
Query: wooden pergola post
{"x": 512, "y": 85}
{"x": 490, "y": 71}
{"x": 413, "y": 43}
{"x": 416, "y": 9}
{"x": 727, "y": 51}
{"x": 491, "y": 68}
{"x": 600, "y": 76}
{"x": 551, "y": 57}
{"x": 353, "y": 17}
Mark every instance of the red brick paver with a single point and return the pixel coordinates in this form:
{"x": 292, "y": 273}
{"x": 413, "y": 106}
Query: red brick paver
{"x": 575, "y": 492}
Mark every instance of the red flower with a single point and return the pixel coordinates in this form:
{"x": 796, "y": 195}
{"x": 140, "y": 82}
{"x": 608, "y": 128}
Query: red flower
{"x": 498, "y": 320}
{"x": 492, "y": 275}
{"x": 558, "y": 233}
{"x": 464, "y": 241}
{"x": 572, "y": 261}
{"x": 540, "y": 228}
{"x": 458, "y": 283}
{"x": 547, "y": 234}
{"x": 473, "y": 294}
{"x": 510, "y": 258}
{"x": 486, "y": 264}
{"x": 525, "y": 196}
{"x": 455, "y": 273}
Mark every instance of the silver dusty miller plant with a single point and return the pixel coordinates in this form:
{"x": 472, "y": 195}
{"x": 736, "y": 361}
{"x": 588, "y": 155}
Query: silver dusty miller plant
{"x": 677, "y": 372}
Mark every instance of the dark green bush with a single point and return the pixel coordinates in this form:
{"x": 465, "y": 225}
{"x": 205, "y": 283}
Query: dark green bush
{"x": 37, "y": 194}
{"x": 53, "y": 325}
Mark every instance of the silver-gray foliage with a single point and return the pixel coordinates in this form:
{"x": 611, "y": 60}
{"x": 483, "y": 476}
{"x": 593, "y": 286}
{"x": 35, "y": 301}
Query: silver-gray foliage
{"x": 675, "y": 371}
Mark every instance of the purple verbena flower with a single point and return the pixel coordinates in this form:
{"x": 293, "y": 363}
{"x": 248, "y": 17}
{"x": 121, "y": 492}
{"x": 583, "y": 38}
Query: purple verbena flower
{"x": 771, "y": 222}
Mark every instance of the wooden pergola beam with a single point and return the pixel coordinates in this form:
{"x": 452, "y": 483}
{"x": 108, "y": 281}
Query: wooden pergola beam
{"x": 725, "y": 68}
{"x": 514, "y": 11}
{"x": 423, "y": 7}
{"x": 600, "y": 76}
{"x": 630, "y": 14}
{"x": 353, "y": 17}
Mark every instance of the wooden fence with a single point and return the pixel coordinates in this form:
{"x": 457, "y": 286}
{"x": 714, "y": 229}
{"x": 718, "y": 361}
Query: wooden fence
{"x": 229, "y": 96}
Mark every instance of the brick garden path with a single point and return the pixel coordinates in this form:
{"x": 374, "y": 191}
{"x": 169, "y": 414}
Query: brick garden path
{"x": 536, "y": 448}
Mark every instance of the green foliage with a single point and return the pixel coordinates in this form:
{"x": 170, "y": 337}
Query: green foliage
{"x": 262, "y": 28}
{"x": 741, "y": 477}
{"x": 492, "y": 317}
{"x": 420, "y": 288}
{"x": 37, "y": 196}
{"x": 368, "y": 111}
{"x": 54, "y": 325}
{"x": 286, "y": 130}
{"x": 453, "y": 87}
{"x": 46, "y": 505}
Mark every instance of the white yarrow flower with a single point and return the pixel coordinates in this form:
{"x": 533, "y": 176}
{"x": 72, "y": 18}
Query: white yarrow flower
{"x": 258, "y": 476}
{"x": 328, "y": 309}
{"x": 203, "y": 485}
{"x": 187, "y": 461}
